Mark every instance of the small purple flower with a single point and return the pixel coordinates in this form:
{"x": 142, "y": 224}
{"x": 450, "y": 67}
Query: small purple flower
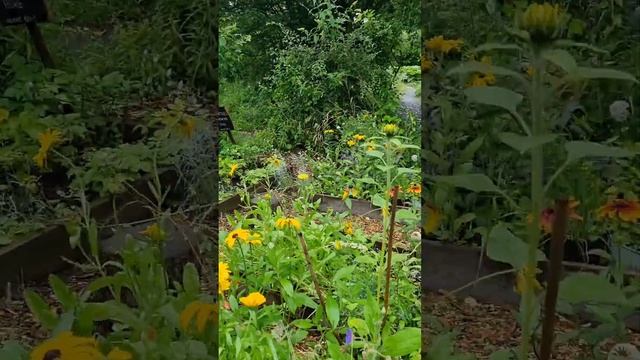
{"x": 349, "y": 337}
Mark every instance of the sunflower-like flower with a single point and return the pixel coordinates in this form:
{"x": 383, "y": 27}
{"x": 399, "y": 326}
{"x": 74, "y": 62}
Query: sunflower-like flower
{"x": 47, "y": 140}
{"x": 232, "y": 171}
{"x": 542, "y": 21}
{"x": 440, "y": 45}
{"x": 283, "y": 223}
{"x": 415, "y": 189}
{"x": 119, "y": 354}
{"x": 390, "y": 129}
{"x": 254, "y": 299}
{"x": 203, "y": 313}
{"x": 432, "y": 221}
{"x": 303, "y": 176}
{"x": 548, "y": 216}
{"x": 359, "y": 137}
{"x": 224, "y": 277}
{"x": 243, "y": 235}
{"x": 187, "y": 127}
{"x": 351, "y": 143}
{"x": 625, "y": 210}
{"x": 426, "y": 64}
{"x": 482, "y": 79}
{"x": 66, "y": 346}
{"x": 348, "y": 228}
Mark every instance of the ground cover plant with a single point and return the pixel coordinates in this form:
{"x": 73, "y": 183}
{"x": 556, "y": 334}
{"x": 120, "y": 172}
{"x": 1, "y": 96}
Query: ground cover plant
{"x": 548, "y": 104}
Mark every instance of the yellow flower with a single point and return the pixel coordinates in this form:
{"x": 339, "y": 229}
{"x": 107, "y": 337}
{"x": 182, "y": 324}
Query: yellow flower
{"x": 4, "y": 115}
{"x": 118, "y": 354}
{"x": 390, "y": 129}
{"x": 66, "y": 346}
{"x": 303, "y": 176}
{"x": 348, "y": 228}
{"x": 432, "y": 222}
{"x": 154, "y": 232}
{"x": 480, "y": 80}
{"x": 186, "y": 127}
{"x": 359, "y": 137}
{"x": 199, "y": 311}
{"x": 345, "y": 194}
{"x": 255, "y": 239}
{"x": 224, "y": 277}
{"x": 526, "y": 281}
{"x": 329, "y": 131}
{"x": 234, "y": 168}
{"x": 371, "y": 147}
{"x": 241, "y": 234}
{"x": 47, "y": 140}
{"x": 275, "y": 161}
{"x": 440, "y": 45}
{"x": 626, "y": 210}
{"x": 414, "y": 189}
{"x": 351, "y": 143}
{"x": 254, "y": 299}
{"x": 541, "y": 21}
{"x": 530, "y": 71}
{"x": 283, "y": 223}
{"x": 426, "y": 64}
{"x": 267, "y": 196}
{"x": 338, "y": 244}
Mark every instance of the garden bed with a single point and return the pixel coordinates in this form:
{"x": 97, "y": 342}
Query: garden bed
{"x": 447, "y": 268}
{"x": 38, "y": 255}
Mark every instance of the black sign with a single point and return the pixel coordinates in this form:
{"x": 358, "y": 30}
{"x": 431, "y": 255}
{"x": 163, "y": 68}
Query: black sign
{"x": 17, "y": 12}
{"x": 224, "y": 120}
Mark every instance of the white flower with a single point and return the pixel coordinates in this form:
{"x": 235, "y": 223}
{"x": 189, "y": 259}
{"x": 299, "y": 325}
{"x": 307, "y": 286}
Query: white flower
{"x": 619, "y": 110}
{"x": 624, "y": 352}
{"x": 414, "y": 158}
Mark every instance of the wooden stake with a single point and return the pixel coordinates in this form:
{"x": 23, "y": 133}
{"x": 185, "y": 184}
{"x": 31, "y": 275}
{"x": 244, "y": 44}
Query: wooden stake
{"x": 38, "y": 42}
{"x": 394, "y": 206}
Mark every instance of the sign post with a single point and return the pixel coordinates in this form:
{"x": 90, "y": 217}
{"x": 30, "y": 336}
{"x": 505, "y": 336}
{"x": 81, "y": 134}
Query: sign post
{"x": 225, "y": 123}
{"x": 29, "y": 13}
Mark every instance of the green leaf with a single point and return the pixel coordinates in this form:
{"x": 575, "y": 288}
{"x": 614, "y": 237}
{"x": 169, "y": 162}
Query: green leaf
{"x": 562, "y": 59}
{"x": 402, "y": 343}
{"x": 376, "y": 154}
{"x": 359, "y": 325}
{"x": 571, "y": 43}
{"x": 343, "y": 272}
{"x": 495, "y": 96}
{"x": 302, "y": 323}
{"x": 65, "y": 323}
{"x": 191, "y": 279}
{"x": 406, "y": 215}
{"x": 62, "y": 292}
{"x": 335, "y": 351}
{"x": 596, "y": 73}
{"x": 502, "y": 355}
{"x": 479, "y": 67}
{"x": 590, "y": 288}
{"x": 504, "y": 246}
{"x": 470, "y": 150}
{"x": 40, "y": 309}
{"x": 473, "y": 182}
{"x": 525, "y": 143}
{"x": 333, "y": 311}
{"x": 580, "y": 149}
{"x": 378, "y": 201}
{"x": 12, "y": 350}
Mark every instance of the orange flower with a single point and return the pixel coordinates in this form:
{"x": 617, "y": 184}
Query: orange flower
{"x": 392, "y": 191}
{"x": 626, "y": 210}
{"x": 548, "y": 216}
{"x": 415, "y": 189}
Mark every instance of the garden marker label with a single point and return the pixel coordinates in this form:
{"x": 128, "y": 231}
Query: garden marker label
{"x": 19, "y": 12}
{"x": 224, "y": 122}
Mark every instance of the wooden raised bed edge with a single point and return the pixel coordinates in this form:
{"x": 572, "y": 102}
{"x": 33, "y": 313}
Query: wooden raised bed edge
{"x": 448, "y": 267}
{"x": 36, "y": 256}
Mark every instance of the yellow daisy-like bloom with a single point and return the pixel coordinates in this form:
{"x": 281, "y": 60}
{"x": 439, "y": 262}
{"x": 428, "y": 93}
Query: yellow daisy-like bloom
{"x": 390, "y": 129}
{"x": 118, "y": 354}
{"x": 359, "y": 137}
{"x": 481, "y": 80}
{"x": 414, "y": 189}
{"x": 371, "y": 147}
{"x": 530, "y": 71}
{"x": 254, "y": 239}
{"x": 541, "y": 21}
{"x": 526, "y": 281}
{"x": 275, "y": 161}
{"x": 440, "y": 45}
{"x": 66, "y": 346}
{"x": 283, "y": 223}
{"x": 233, "y": 169}
{"x": 186, "y": 127}
{"x": 231, "y": 238}
{"x": 199, "y": 311}
{"x": 625, "y": 210}
{"x": 254, "y": 299}
{"x": 345, "y": 194}
{"x": 432, "y": 222}
{"x": 303, "y": 176}
{"x": 338, "y": 245}
{"x": 47, "y": 140}
{"x": 329, "y": 131}
{"x": 267, "y": 196}
{"x": 351, "y": 143}
{"x": 154, "y": 232}
{"x": 426, "y": 64}
{"x": 348, "y": 228}
{"x": 224, "y": 277}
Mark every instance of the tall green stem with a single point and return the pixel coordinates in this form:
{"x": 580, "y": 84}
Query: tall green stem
{"x": 537, "y": 201}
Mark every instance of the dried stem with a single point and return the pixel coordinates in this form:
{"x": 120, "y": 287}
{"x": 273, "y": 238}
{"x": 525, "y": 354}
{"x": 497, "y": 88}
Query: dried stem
{"x": 553, "y": 278}
{"x": 314, "y": 278}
